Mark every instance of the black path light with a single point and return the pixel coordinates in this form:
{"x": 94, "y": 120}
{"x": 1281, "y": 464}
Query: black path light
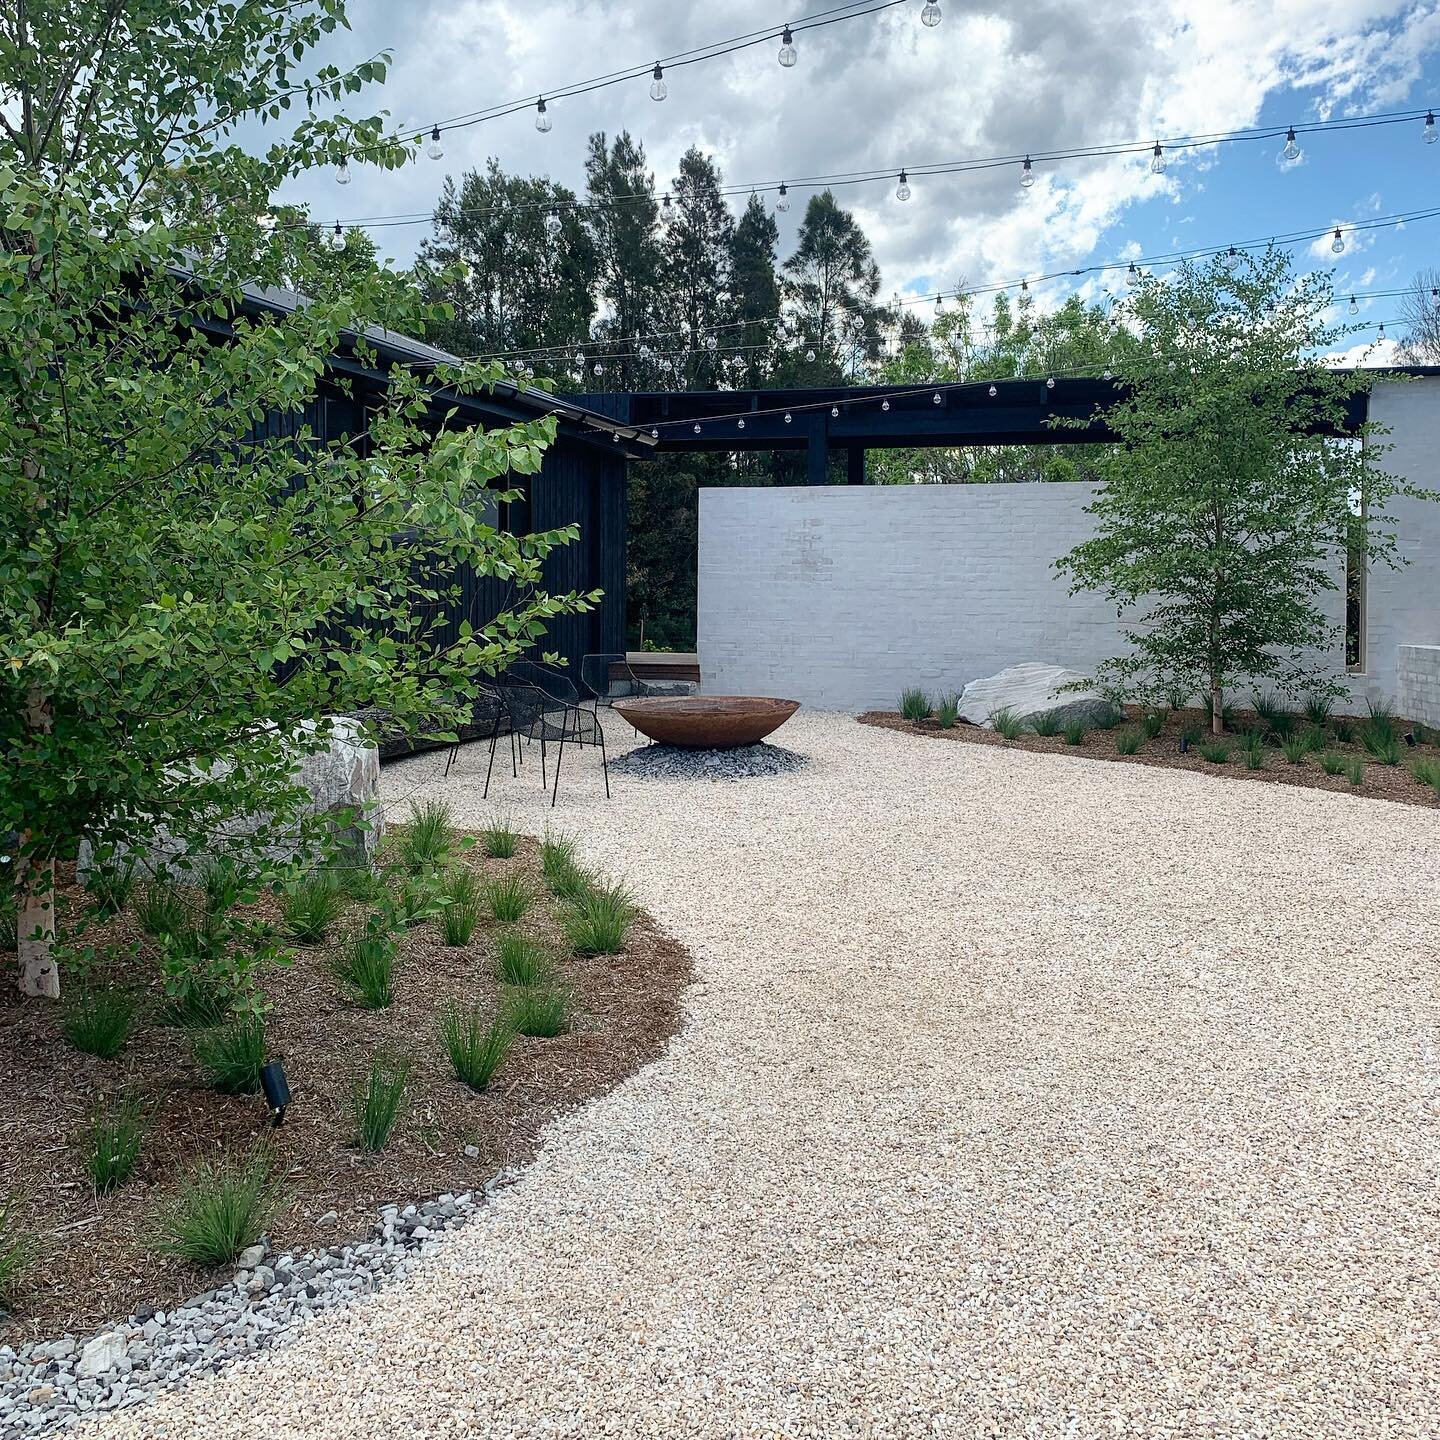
{"x": 276, "y": 1088}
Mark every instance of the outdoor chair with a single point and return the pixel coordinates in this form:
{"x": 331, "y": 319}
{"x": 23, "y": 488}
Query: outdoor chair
{"x": 549, "y": 715}
{"x": 486, "y": 714}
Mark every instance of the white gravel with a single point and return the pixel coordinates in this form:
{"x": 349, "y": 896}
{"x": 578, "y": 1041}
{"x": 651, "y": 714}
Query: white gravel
{"x": 1021, "y": 1096}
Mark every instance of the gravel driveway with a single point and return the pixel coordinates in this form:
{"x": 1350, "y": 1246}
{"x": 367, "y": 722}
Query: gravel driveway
{"x": 1021, "y": 1096}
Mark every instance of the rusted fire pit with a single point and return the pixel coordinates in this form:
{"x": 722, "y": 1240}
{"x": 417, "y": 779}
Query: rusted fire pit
{"x": 707, "y": 722}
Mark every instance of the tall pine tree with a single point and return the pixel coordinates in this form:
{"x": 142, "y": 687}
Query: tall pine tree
{"x": 697, "y": 249}
{"x": 755, "y": 291}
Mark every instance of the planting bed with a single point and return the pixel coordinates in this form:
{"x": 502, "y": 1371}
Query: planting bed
{"x": 1380, "y": 781}
{"x": 97, "y": 1257}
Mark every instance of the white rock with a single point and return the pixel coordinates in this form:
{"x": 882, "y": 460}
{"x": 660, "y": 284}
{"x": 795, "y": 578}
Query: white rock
{"x": 102, "y": 1354}
{"x": 250, "y": 1257}
{"x": 1028, "y": 690}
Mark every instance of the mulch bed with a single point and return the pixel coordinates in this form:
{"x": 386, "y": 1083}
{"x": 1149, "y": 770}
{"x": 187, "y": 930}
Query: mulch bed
{"x": 1382, "y": 782}
{"x": 97, "y": 1256}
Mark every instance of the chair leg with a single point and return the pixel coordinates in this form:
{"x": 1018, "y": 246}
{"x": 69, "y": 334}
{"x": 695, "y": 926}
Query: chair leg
{"x": 494, "y": 740}
{"x": 514, "y": 749}
{"x": 604, "y": 763}
{"x": 543, "y": 784}
{"x": 454, "y": 751}
{"x": 559, "y": 756}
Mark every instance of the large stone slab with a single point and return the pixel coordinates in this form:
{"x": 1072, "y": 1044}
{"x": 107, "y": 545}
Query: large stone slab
{"x": 1032, "y": 689}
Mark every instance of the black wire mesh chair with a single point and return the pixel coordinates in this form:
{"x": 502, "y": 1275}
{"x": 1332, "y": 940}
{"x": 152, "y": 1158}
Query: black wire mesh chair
{"x": 486, "y": 714}
{"x": 548, "y": 714}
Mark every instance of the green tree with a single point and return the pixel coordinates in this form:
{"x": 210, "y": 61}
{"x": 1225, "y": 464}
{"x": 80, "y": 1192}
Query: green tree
{"x": 755, "y": 287}
{"x": 1223, "y": 516}
{"x": 189, "y": 574}
{"x": 696, "y": 273}
{"x": 507, "y": 281}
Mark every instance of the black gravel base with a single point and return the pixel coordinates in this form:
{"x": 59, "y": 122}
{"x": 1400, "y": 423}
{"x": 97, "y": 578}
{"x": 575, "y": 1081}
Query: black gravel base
{"x": 744, "y": 762}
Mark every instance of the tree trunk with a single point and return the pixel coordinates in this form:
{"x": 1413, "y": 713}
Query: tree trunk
{"x": 1217, "y": 707}
{"x": 39, "y": 974}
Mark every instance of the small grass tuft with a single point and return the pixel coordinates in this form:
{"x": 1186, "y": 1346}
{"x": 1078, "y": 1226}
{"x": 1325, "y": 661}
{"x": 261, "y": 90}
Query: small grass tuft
{"x": 914, "y": 704}
{"x": 18, "y": 1249}
{"x": 1045, "y": 723}
{"x": 1381, "y": 718}
{"x": 464, "y": 899}
{"x": 1008, "y": 724}
{"x": 1109, "y": 718}
{"x": 365, "y": 966}
{"x": 1253, "y": 750}
{"x": 376, "y": 1101}
{"x": 161, "y": 909}
{"x": 520, "y": 961}
{"x": 598, "y": 922}
{"x": 947, "y": 711}
{"x": 98, "y": 1021}
{"x": 1380, "y": 743}
{"x": 508, "y": 897}
{"x": 535, "y": 1010}
{"x": 566, "y": 877}
{"x": 221, "y": 1207}
{"x": 112, "y": 1140}
{"x": 310, "y": 905}
{"x": 1152, "y": 724}
{"x": 1427, "y": 772}
{"x": 1075, "y": 732}
{"x": 1128, "y": 742}
{"x": 223, "y": 886}
{"x": 1344, "y": 729}
{"x": 1316, "y": 738}
{"x": 1295, "y": 748}
{"x": 426, "y": 842}
{"x": 1282, "y": 724}
{"x": 1267, "y": 706}
{"x": 1355, "y": 771}
{"x": 1317, "y": 710}
{"x": 232, "y": 1056}
{"x": 1217, "y": 752}
{"x": 111, "y": 887}
{"x": 1332, "y": 763}
{"x": 500, "y": 838}
{"x": 477, "y": 1046}
{"x": 358, "y": 882}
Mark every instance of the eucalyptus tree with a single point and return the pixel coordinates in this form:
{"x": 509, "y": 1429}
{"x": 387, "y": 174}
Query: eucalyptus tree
{"x": 180, "y": 593}
{"x": 755, "y": 291}
{"x": 696, "y": 272}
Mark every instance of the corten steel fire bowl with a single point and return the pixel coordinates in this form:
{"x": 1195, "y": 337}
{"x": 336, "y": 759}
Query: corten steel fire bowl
{"x": 707, "y": 722}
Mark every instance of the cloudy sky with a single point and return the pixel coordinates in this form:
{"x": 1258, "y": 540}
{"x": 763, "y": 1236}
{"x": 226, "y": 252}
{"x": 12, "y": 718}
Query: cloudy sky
{"x": 884, "y": 91}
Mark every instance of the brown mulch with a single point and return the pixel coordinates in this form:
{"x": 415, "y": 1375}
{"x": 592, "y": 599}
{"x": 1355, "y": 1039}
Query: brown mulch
{"x": 97, "y": 1258}
{"x": 1381, "y": 782}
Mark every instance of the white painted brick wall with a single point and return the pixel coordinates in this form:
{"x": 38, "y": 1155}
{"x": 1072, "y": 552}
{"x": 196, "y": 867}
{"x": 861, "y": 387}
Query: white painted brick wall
{"x": 1418, "y": 683}
{"x": 841, "y": 596}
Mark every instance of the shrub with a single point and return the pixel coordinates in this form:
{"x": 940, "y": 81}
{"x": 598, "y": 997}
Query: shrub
{"x": 1128, "y": 742}
{"x": 1075, "y": 732}
{"x": 914, "y": 704}
{"x": 1008, "y": 724}
{"x": 1355, "y": 771}
{"x": 232, "y": 1056}
{"x": 597, "y": 922}
{"x": 426, "y": 842}
{"x": 1295, "y": 748}
{"x": 519, "y": 961}
{"x": 1317, "y": 710}
{"x": 500, "y": 839}
{"x": 1380, "y": 743}
{"x": 947, "y": 711}
{"x": 477, "y": 1048}
{"x": 1152, "y": 724}
{"x": 112, "y": 1141}
{"x": 221, "y": 1207}
{"x": 365, "y": 966}
{"x": 463, "y": 901}
{"x": 376, "y": 1101}
{"x": 98, "y": 1020}
{"x": 1046, "y": 723}
{"x": 206, "y": 980}
{"x": 311, "y": 904}
{"x": 533, "y": 1010}
{"x": 1344, "y": 729}
{"x": 17, "y": 1251}
{"x": 111, "y": 888}
{"x": 1332, "y": 763}
{"x": 508, "y": 897}
{"x": 1217, "y": 752}
{"x": 162, "y": 910}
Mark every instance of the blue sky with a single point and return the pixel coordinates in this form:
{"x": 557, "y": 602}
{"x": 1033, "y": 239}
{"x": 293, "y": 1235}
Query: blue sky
{"x": 885, "y": 91}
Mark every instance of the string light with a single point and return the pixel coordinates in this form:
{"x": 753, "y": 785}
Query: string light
{"x": 1353, "y": 308}
{"x": 902, "y": 190}
{"x": 1232, "y": 260}
{"x": 788, "y": 55}
{"x": 788, "y": 417}
{"x": 1157, "y": 159}
{"x": 930, "y": 15}
{"x": 337, "y": 237}
{"x": 658, "y": 88}
{"x": 543, "y": 121}
{"x": 810, "y": 357}
{"x": 937, "y": 398}
{"x": 993, "y": 392}
{"x": 667, "y": 211}
{"x": 435, "y": 150}
{"x": 342, "y": 171}
{"x": 1291, "y": 154}
{"x": 1027, "y": 174}
{"x": 1337, "y": 245}
{"x": 553, "y": 224}
{"x": 1380, "y": 334}
{"x": 1428, "y": 134}
{"x": 782, "y": 200}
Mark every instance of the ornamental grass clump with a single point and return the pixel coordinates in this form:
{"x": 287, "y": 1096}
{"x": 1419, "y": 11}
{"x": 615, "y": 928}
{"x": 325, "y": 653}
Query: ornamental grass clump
{"x": 521, "y": 961}
{"x": 111, "y": 887}
{"x": 1109, "y": 717}
{"x": 376, "y": 1100}
{"x": 98, "y": 1020}
{"x": 426, "y": 842}
{"x": 1427, "y": 772}
{"x": 1355, "y": 771}
{"x": 1253, "y": 750}
{"x": 477, "y": 1045}
{"x": 1316, "y": 738}
{"x": 914, "y": 704}
{"x": 597, "y": 922}
{"x": 566, "y": 878}
{"x": 1008, "y": 724}
{"x": 1152, "y": 724}
{"x": 310, "y": 905}
{"x": 161, "y": 909}
{"x": 1343, "y": 729}
{"x": 1128, "y": 742}
{"x": 18, "y": 1249}
{"x": 232, "y": 1056}
{"x": 1381, "y": 743}
{"x": 365, "y": 966}
{"x": 222, "y": 886}
{"x": 1317, "y": 710}
{"x": 1332, "y": 763}
{"x": 462, "y": 901}
{"x": 500, "y": 838}
{"x": 1217, "y": 752}
{"x": 1295, "y": 748}
{"x": 1075, "y": 732}
{"x": 537, "y": 1011}
{"x": 220, "y": 1208}
{"x": 1045, "y": 723}
{"x": 112, "y": 1141}
{"x": 947, "y": 711}
{"x": 508, "y": 897}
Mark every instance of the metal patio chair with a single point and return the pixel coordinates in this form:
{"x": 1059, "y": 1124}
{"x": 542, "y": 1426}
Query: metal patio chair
{"x": 540, "y": 713}
{"x": 486, "y": 714}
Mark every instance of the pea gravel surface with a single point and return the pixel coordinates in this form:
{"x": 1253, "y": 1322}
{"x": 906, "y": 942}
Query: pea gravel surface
{"x": 1019, "y": 1095}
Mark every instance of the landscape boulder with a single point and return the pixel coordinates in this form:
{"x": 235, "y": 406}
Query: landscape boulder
{"x": 1033, "y": 689}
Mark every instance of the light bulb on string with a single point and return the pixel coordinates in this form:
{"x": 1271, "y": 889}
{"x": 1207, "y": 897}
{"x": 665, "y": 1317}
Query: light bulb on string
{"x": 788, "y": 54}
{"x": 711, "y": 344}
{"x": 810, "y": 356}
{"x": 658, "y": 88}
{"x": 542, "y": 117}
{"x": 597, "y": 369}
{"x": 435, "y": 150}
{"x": 834, "y": 412}
{"x": 1380, "y": 334}
{"x": 554, "y": 224}
{"x": 937, "y": 398}
{"x": 1231, "y": 260}
{"x": 1292, "y": 152}
{"x": 1133, "y": 274}
{"x": 902, "y": 190}
{"x": 1157, "y": 159}
{"x": 667, "y": 210}
{"x": 1435, "y": 298}
{"x": 1429, "y": 134}
{"x": 740, "y": 425}
{"x": 789, "y": 419}
{"x": 337, "y": 237}
{"x": 939, "y": 303}
{"x": 884, "y": 404}
{"x": 1353, "y": 308}
{"x": 993, "y": 392}
{"x": 342, "y": 171}
{"x": 697, "y": 428}
{"x": 1027, "y": 174}
{"x": 1337, "y": 245}
{"x": 782, "y": 200}
{"x": 930, "y": 15}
